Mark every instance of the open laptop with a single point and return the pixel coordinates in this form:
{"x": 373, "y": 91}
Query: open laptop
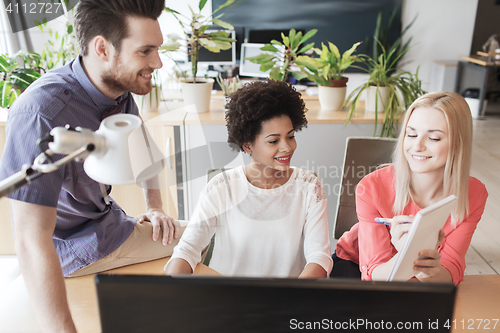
{"x": 132, "y": 303}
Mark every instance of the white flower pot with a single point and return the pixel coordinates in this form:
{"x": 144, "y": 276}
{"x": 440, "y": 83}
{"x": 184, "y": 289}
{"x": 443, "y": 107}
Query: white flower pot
{"x": 371, "y": 98}
{"x": 331, "y": 98}
{"x": 197, "y": 95}
{"x": 150, "y": 102}
{"x": 227, "y": 99}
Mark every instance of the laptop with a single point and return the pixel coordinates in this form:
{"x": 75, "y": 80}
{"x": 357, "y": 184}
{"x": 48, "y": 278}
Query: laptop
{"x": 138, "y": 303}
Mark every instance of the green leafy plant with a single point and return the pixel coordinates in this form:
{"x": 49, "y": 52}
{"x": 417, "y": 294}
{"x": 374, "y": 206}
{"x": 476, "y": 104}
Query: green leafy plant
{"x": 382, "y": 41}
{"x": 330, "y": 65}
{"x": 18, "y": 72}
{"x": 195, "y": 37}
{"x": 61, "y": 48}
{"x": 282, "y": 56}
{"x": 403, "y": 87}
{"x": 229, "y": 85}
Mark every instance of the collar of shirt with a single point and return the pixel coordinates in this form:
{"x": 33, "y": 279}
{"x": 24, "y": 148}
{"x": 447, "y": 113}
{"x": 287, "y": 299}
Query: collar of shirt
{"x": 101, "y": 101}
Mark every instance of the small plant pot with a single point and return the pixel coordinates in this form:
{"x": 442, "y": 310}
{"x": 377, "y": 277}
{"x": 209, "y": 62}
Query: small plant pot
{"x": 227, "y": 99}
{"x": 332, "y": 98}
{"x": 151, "y": 102}
{"x": 197, "y": 95}
{"x": 374, "y": 105}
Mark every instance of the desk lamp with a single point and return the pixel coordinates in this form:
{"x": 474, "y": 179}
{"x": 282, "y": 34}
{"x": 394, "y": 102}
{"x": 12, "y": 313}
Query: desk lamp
{"x": 120, "y": 152}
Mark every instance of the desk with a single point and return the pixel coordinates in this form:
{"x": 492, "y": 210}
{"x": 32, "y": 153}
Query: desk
{"x": 17, "y": 314}
{"x": 478, "y": 297}
{"x": 477, "y": 64}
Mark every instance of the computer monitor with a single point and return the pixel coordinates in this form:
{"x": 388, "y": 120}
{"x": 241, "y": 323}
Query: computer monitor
{"x": 240, "y": 39}
{"x": 267, "y": 35}
{"x": 248, "y": 68}
{"x": 137, "y": 303}
{"x": 224, "y": 57}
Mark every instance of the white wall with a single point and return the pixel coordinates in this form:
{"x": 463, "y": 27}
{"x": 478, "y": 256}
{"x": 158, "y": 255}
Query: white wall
{"x": 442, "y": 31}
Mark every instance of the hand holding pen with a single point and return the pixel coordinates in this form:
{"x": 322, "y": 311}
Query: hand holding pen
{"x": 399, "y": 228}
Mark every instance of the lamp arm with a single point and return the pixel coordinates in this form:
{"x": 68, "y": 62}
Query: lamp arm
{"x": 18, "y": 180}
{"x": 28, "y": 173}
{"x": 78, "y": 155}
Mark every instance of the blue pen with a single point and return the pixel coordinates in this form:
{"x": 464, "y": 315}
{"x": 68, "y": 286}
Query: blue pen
{"x": 383, "y": 220}
{"x": 386, "y": 221}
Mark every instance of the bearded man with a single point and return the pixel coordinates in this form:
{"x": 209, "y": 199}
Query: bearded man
{"x": 62, "y": 224}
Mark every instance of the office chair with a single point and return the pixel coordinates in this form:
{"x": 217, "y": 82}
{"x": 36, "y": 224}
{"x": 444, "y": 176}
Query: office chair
{"x": 362, "y": 156}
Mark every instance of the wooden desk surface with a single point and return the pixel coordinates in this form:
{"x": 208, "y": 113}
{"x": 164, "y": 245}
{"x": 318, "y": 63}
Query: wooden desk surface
{"x": 478, "y": 298}
{"x": 479, "y": 60}
{"x": 82, "y": 296}
{"x": 171, "y": 113}
{"x": 477, "y": 301}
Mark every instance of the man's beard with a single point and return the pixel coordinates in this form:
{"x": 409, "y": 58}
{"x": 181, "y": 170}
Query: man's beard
{"x": 118, "y": 80}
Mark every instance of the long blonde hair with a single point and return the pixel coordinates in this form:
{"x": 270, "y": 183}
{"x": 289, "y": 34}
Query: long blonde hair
{"x": 457, "y": 169}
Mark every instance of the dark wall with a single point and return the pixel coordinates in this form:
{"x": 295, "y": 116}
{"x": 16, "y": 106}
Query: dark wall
{"x": 342, "y": 22}
{"x": 487, "y": 23}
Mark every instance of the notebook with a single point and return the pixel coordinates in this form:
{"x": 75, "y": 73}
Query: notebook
{"x": 132, "y": 303}
{"x": 423, "y": 234}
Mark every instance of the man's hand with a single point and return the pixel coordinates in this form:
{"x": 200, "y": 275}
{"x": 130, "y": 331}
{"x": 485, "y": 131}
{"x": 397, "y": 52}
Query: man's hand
{"x": 162, "y": 221}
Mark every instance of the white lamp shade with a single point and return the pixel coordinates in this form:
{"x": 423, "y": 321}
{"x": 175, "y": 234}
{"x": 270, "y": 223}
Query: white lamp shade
{"x": 129, "y": 156}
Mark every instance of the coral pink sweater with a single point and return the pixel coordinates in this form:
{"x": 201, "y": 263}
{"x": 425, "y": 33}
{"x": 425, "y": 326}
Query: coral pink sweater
{"x": 369, "y": 243}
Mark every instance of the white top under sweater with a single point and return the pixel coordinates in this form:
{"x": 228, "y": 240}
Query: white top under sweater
{"x": 259, "y": 232}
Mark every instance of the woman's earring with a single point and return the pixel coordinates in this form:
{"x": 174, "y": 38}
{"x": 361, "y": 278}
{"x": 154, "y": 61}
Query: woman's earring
{"x": 247, "y": 150}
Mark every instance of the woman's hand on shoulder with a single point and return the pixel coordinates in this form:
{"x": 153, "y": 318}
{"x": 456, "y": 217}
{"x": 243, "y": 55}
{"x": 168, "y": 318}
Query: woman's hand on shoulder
{"x": 399, "y": 229}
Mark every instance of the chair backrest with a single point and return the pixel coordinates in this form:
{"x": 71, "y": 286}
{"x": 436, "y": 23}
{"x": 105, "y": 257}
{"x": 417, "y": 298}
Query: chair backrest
{"x": 211, "y": 173}
{"x": 362, "y": 156}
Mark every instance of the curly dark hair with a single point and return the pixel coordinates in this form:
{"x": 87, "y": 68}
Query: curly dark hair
{"x": 257, "y": 102}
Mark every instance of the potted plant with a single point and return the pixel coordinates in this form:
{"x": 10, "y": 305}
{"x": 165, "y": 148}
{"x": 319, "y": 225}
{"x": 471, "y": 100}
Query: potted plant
{"x": 197, "y": 91}
{"x": 385, "y": 92}
{"x": 16, "y": 77}
{"x": 228, "y": 86}
{"x": 381, "y": 38}
{"x": 327, "y": 71}
{"x": 282, "y": 56}
{"x": 61, "y": 48}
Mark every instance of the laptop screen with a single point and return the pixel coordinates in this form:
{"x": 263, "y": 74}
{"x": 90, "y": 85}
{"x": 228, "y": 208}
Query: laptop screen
{"x": 133, "y": 303}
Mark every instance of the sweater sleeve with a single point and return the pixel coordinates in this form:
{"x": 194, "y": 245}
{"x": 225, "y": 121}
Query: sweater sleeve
{"x": 374, "y": 198}
{"x": 199, "y": 231}
{"x": 457, "y": 240}
{"x": 316, "y": 231}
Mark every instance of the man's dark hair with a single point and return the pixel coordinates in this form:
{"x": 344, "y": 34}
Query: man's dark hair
{"x": 107, "y": 18}
{"x": 260, "y": 101}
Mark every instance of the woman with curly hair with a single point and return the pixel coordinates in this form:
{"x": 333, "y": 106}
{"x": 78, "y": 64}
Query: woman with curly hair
{"x": 269, "y": 219}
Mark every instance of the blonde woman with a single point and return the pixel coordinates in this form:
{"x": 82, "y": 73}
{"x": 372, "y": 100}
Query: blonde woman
{"x": 431, "y": 161}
